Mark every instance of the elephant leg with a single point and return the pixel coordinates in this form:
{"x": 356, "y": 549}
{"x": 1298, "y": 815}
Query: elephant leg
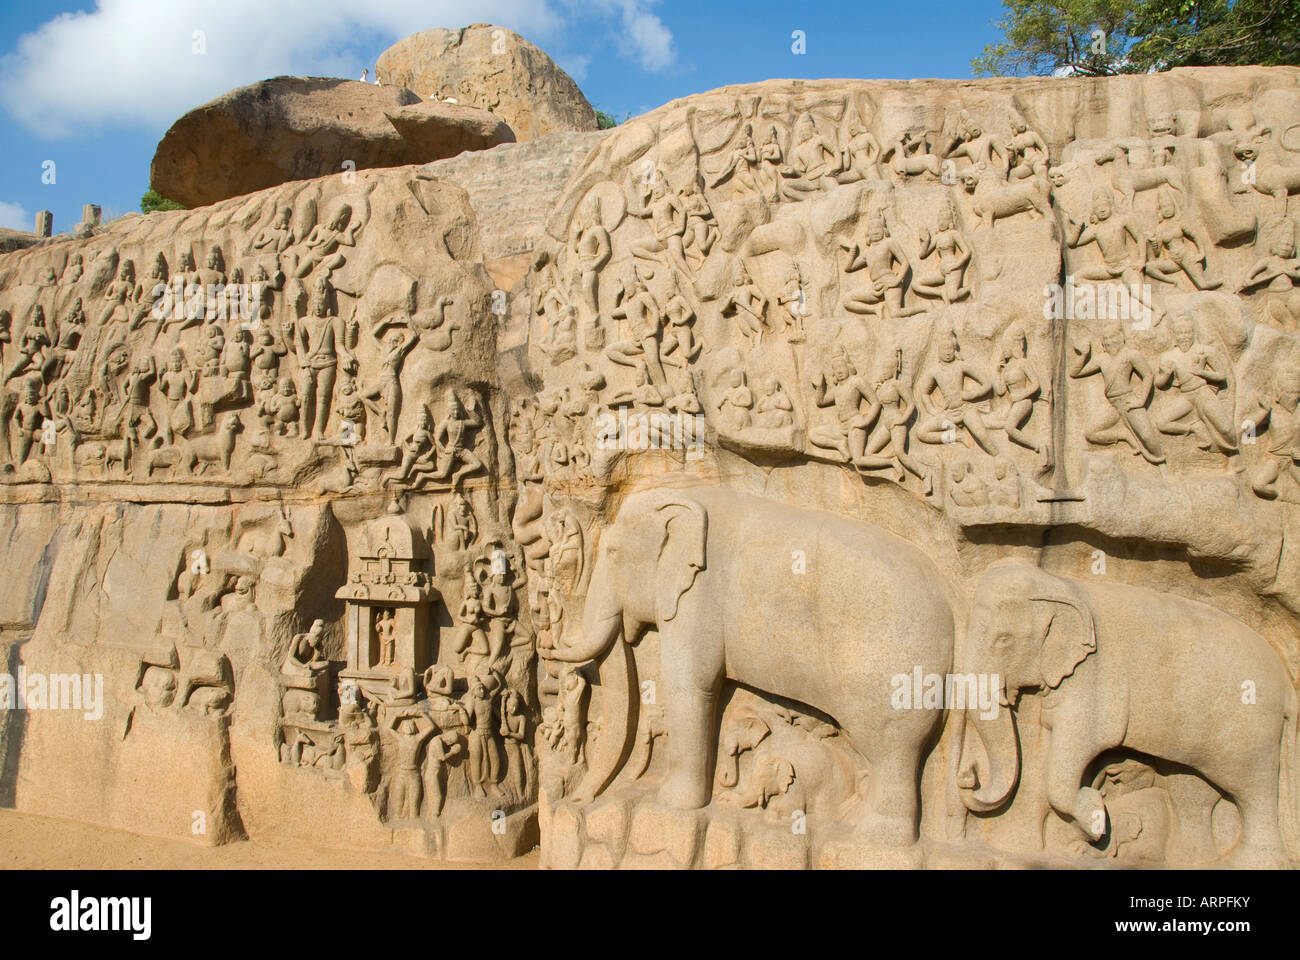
{"x": 892, "y": 796}
{"x": 689, "y": 713}
{"x": 1066, "y": 763}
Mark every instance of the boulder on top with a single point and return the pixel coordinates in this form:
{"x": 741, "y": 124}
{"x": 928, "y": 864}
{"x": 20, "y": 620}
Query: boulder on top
{"x": 297, "y": 128}
{"x": 493, "y": 68}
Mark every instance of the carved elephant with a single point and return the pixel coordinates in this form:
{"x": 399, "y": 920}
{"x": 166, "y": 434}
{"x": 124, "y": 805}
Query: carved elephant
{"x": 716, "y": 573}
{"x": 1123, "y": 667}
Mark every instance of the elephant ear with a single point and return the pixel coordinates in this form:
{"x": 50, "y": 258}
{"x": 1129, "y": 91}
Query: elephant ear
{"x": 1069, "y": 636}
{"x": 681, "y": 552}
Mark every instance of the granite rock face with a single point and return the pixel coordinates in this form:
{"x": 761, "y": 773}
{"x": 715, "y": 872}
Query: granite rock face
{"x": 298, "y": 128}
{"x": 825, "y": 474}
{"x": 492, "y": 68}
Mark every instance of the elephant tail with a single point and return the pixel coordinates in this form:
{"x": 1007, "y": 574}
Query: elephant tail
{"x": 1289, "y": 785}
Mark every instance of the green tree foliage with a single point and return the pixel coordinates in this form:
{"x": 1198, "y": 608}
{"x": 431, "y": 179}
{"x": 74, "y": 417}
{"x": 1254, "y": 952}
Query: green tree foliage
{"x": 153, "y": 200}
{"x": 605, "y": 120}
{"x": 1105, "y": 37}
{"x": 1202, "y": 33}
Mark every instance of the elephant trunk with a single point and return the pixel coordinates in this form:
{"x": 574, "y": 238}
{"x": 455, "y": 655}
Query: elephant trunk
{"x": 985, "y": 788}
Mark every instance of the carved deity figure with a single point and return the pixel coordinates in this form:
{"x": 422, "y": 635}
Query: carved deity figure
{"x": 744, "y": 302}
{"x": 1180, "y": 247}
{"x": 1128, "y": 383}
{"x": 1197, "y": 378}
{"x": 847, "y": 392}
{"x": 960, "y": 385}
{"x": 409, "y": 732}
{"x": 484, "y": 751}
{"x": 954, "y": 250}
{"x": 887, "y": 269}
{"x": 1277, "y": 273}
{"x": 323, "y": 340}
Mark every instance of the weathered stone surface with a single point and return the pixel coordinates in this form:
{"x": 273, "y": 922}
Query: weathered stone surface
{"x": 863, "y": 474}
{"x": 492, "y": 68}
{"x": 297, "y": 128}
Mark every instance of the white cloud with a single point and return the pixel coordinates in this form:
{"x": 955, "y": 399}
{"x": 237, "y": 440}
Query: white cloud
{"x": 14, "y": 217}
{"x": 133, "y": 61}
{"x": 651, "y": 42}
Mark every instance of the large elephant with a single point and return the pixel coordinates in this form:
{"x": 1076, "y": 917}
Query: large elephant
{"x": 1122, "y": 667}
{"x": 807, "y": 605}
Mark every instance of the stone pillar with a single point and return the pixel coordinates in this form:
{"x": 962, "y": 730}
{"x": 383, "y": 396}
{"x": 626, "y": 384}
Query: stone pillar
{"x": 91, "y": 214}
{"x": 44, "y": 223}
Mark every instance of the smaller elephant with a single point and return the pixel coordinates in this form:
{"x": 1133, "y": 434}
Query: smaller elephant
{"x": 1125, "y": 668}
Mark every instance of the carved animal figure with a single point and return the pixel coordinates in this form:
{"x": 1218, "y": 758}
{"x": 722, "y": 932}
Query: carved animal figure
{"x": 1272, "y": 172}
{"x": 992, "y": 197}
{"x": 199, "y": 452}
{"x": 1125, "y": 667}
{"x": 1127, "y": 180}
{"x": 709, "y": 568}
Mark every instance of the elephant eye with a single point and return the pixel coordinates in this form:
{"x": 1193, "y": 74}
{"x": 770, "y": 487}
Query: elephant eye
{"x": 1002, "y": 640}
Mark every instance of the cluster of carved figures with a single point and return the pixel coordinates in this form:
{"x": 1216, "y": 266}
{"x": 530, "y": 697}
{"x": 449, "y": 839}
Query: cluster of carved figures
{"x": 268, "y": 364}
{"x": 418, "y": 714}
{"x": 818, "y": 295}
{"x": 817, "y": 285}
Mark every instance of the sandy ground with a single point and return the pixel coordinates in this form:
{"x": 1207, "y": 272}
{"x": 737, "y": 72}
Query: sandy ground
{"x": 32, "y": 842}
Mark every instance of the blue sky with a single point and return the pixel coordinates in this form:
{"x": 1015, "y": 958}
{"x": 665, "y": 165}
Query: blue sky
{"x": 93, "y": 86}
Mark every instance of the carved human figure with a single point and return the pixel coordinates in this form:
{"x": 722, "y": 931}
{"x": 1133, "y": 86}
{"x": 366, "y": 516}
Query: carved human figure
{"x": 323, "y": 340}
{"x": 960, "y": 385}
{"x": 499, "y": 608}
{"x": 67, "y": 338}
{"x": 860, "y": 152}
{"x": 322, "y": 247}
{"x": 418, "y": 454}
{"x": 887, "y": 269}
{"x": 518, "y": 753}
{"x": 770, "y": 160}
{"x": 440, "y": 752}
{"x": 1278, "y": 272}
{"x": 967, "y": 489}
{"x": 280, "y": 411}
{"x": 667, "y": 216}
{"x": 453, "y": 437}
{"x": 701, "y": 227}
{"x": 33, "y": 345}
{"x": 484, "y": 751}
{"x": 389, "y": 385}
{"x": 814, "y": 162}
{"x": 773, "y": 411}
{"x": 735, "y": 406}
{"x": 954, "y": 250}
{"x": 1197, "y": 378}
{"x": 1180, "y": 247}
{"x": 847, "y": 392}
{"x": 29, "y": 416}
{"x": 409, "y": 732}
{"x": 1278, "y": 412}
{"x": 644, "y": 320}
{"x": 1027, "y": 154}
{"x": 897, "y": 405}
{"x": 1128, "y": 383}
{"x": 589, "y": 241}
{"x": 1017, "y": 381}
{"x": 572, "y": 725}
{"x": 970, "y": 141}
{"x": 178, "y": 384}
{"x": 792, "y": 304}
{"x": 468, "y": 640}
{"x": 278, "y": 237}
{"x": 679, "y": 343}
{"x": 742, "y": 162}
{"x": 134, "y": 418}
{"x": 386, "y": 632}
{"x": 746, "y": 304}
{"x": 1004, "y": 491}
{"x": 1112, "y": 233}
{"x": 351, "y": 412}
